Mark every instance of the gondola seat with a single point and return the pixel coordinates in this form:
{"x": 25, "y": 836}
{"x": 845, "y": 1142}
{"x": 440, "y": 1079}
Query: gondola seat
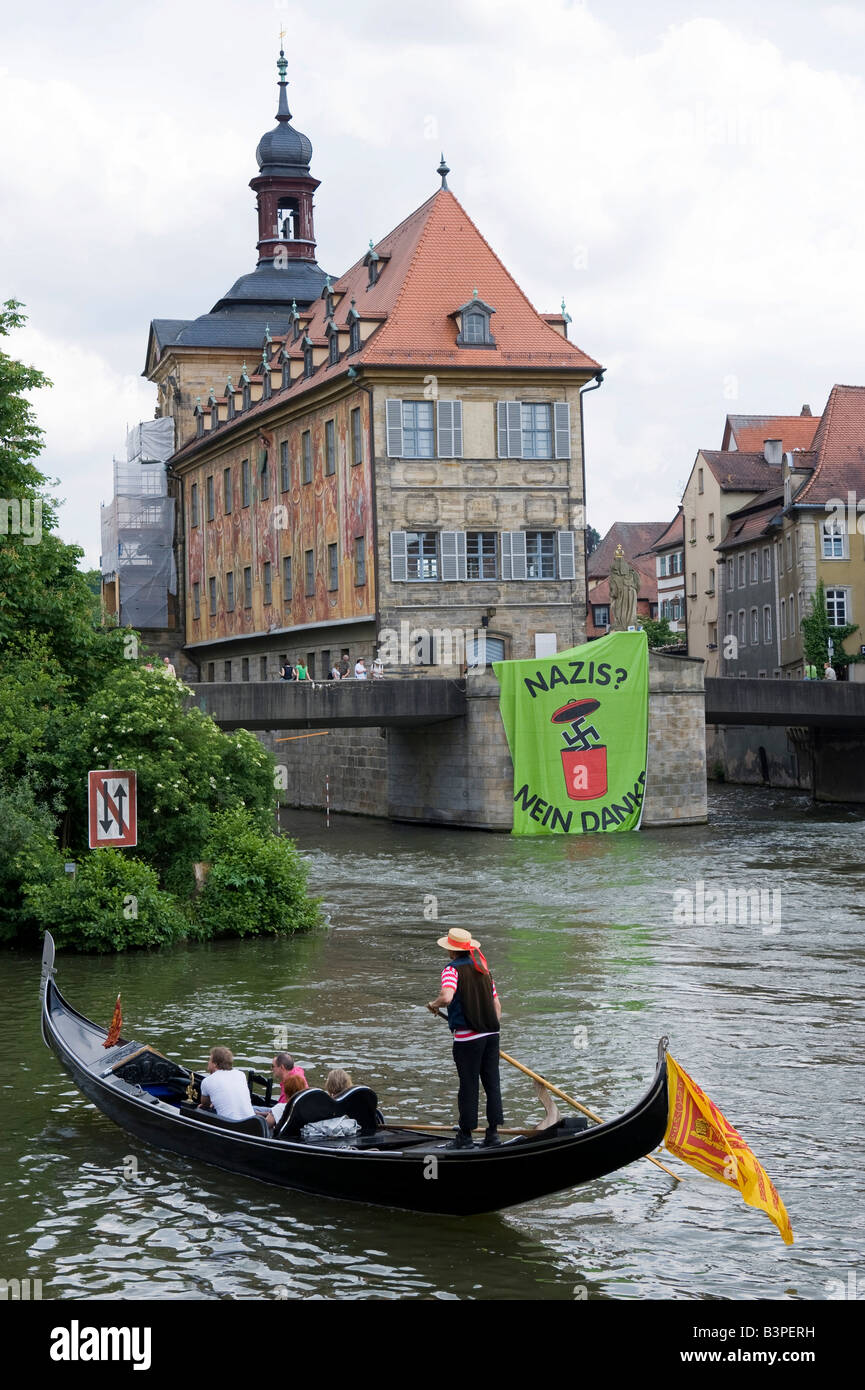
{"x": 310, "y": 1106}
{"x": 253, "y": 1124}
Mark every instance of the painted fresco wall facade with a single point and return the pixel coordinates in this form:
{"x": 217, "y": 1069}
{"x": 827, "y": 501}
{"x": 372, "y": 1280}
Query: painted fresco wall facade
{"x": 274, "y": 523}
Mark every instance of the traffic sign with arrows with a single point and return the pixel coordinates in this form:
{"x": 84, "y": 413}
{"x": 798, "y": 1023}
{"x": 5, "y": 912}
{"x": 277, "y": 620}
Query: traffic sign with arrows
{"x": 113, "y": 808}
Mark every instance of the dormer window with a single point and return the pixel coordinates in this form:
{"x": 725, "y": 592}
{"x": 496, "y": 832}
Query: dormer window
{"x": 333, "y": 353}
{"x": 286, "y": 368}
{"x": 214, "y": 410}
{"x": 327, "y": 296}
{"x": 308, "y": 367}
{"x": 475, "y": 327}
{"x": 294, "y": 320}
{"x": 229, "y": 396}
{"x": 354, "y": 336}
{"x": 246, "y": 389}
{"x": 264, "y": 373}
{"x": 199, "y": 418}
{"x": 371, "y": 261}
{"x": 474, "y": 324}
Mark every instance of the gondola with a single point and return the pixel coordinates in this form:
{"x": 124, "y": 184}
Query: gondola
{"x": 154, "y": 1098}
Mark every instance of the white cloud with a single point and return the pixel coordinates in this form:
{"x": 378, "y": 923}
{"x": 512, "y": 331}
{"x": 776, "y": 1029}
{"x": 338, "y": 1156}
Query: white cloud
{"x": 697, "y": 196}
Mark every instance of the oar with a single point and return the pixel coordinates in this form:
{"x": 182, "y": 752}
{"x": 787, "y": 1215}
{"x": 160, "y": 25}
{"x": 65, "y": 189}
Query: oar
{"x": 575, "y": 1103}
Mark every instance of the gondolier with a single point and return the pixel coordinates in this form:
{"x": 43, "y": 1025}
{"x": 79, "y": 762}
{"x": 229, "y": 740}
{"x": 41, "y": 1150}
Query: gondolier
{"x": 469, "y": 991}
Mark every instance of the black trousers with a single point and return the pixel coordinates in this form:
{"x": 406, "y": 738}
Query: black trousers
{"x": 476, "y": 1061}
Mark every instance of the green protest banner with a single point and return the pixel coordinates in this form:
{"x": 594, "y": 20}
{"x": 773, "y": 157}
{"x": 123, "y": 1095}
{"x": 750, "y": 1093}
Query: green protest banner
{"x": 577, "y": 727}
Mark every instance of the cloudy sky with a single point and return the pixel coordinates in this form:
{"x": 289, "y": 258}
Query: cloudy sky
{"x": 688, "y": 174}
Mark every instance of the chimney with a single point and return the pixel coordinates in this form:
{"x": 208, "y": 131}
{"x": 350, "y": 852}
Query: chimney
{"x": 772, "y": 450}
{"x": 806, "y": 410}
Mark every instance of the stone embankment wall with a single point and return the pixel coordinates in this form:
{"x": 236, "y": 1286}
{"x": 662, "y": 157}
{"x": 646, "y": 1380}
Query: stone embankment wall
{"x": 459, "y": 772}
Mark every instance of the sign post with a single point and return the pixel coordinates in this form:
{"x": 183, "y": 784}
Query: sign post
{"x": 112, "y": 808}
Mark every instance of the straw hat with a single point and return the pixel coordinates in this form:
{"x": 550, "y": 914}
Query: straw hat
{"x": 458, "y": 940}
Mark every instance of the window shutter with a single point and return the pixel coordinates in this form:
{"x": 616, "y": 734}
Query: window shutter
{"x": 398, "y": 555}
{"x": 515, "y": 429}
{"x": 393, "y": 420}
{"x": 513, "y": 555}
{"x": 567, "y": 565}
{"x": 502, "y": 428}
{"x": 506, "y": 555}
{"x": 510, "y": 429}
{"x": 562, "y": 422}
{"x": 450, "y": 563}
{"x": 450, "y": 429}
{"x": 518, "y": 554}
{"x": 462, "y": 566}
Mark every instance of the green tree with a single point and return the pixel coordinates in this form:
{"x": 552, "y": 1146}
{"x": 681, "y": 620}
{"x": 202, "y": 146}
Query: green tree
{"x": 113, "y": 902}
{"x": 593, "y": 539}
{"x": 187, "y": 768}
{"x": 659, "y": 633}
{"x": 256, "y": 882}
{"x": 20, "y": 436}
{"x": 817, "y": 630}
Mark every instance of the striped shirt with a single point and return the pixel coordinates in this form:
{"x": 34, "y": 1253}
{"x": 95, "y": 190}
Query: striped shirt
{"x": 450, "y": 980}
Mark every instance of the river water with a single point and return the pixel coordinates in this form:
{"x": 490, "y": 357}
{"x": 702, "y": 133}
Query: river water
{"x": 599, "y": 945}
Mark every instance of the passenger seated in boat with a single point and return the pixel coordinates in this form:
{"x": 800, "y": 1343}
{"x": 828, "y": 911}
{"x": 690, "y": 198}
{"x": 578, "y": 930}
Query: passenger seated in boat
{"x": 225, "y": 1090}
{"x": 283, "y": 1067}
{"x": 338, "y": 1082}
{"x": 291, "y": 1086}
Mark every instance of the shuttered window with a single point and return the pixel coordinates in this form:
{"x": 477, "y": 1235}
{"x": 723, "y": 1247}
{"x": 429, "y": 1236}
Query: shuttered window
{"x": 393, "y": 421}
{"x": 398, "y": 568}
{"x": 453, "y": 555}
{"x": 414, "y": 555}
{"x": 330, "y": 446}
{"x": 562, "y": 421}
{"x": 480, "y": 555}
{"x": 510, "y": 436}
{"x": 567, "y": 555}
{"x": 513, "y": 555}
{"x": 533, "y": 430}
{"x": 450, "y": 429}
{"x": 540, "y": 555}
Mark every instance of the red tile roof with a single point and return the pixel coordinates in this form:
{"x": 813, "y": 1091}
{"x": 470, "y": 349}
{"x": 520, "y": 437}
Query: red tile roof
{"x": 430, "y": 265}
{"x": 747, "y": 528}
{"x": 739, "y": 472}
{"x": 840, "y": 449}
{"x": 747, "y": 433}
{"x": 674, "y": 534}
{"x": 635, "y": 538}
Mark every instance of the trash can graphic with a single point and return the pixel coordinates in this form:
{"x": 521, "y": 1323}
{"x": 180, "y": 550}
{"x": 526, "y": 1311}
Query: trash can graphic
{"x": 584, "y": 763}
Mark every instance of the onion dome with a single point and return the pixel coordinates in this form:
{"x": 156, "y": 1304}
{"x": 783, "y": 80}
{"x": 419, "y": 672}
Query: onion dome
{"x": 284, "y": 150}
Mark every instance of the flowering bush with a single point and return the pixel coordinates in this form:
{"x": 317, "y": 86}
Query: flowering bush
{"x": 256, "y": 882}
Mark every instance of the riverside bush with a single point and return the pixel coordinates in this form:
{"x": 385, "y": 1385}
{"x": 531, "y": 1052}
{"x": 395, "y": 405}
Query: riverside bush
{"x": 256, "y": 883}
{"x": 113, "y": 902}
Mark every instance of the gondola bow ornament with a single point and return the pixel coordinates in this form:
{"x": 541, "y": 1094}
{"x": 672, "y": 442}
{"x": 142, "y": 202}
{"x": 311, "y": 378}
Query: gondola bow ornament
{"x": 115, "y": 1026}
{"x": 699, "y": 1134}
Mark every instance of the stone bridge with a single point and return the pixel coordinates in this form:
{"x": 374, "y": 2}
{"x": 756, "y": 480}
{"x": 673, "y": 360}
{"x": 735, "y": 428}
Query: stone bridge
{"x": 412, "y": 703}
{"x": 838, "y": 705}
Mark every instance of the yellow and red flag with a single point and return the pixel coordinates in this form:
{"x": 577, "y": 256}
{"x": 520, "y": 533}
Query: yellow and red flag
{"x": 698, "y": 1133}
{"x": 116, "y": 1025}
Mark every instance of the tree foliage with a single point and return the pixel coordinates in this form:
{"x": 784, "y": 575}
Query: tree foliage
{"x": 817, "y": 630}
{"x": 659, "y": 632}
{"x": 76, "y": 695}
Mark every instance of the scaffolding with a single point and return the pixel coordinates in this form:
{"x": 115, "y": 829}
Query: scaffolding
{"x": 138, "y": 529}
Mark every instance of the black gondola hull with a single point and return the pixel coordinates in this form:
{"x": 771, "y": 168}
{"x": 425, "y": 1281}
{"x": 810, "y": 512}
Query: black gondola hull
{"x": 424, "y": 1178}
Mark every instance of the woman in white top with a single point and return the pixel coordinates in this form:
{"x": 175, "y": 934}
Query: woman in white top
{"x": 377, "y": 669}
{"x": 360, "y": 670}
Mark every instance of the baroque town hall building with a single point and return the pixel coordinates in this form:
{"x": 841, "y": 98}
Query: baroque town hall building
{"x": 395, "y": 449}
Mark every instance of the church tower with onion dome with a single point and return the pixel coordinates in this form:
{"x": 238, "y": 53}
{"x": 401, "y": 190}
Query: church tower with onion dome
{"x": 189, "y": 358}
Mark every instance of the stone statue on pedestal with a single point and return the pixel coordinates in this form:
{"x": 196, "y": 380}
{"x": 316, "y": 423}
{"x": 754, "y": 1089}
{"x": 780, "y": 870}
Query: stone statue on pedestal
{"x": 624, "y": 589}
